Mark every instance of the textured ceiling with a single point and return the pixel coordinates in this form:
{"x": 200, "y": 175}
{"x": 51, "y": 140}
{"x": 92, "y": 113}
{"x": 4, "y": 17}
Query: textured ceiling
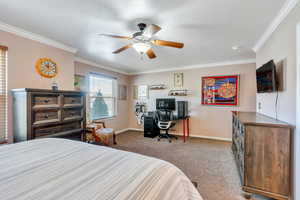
{"x": 209, "y": 28}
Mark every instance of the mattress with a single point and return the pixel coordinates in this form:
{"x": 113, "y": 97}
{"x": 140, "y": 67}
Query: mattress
{"x": 59, "y": 169}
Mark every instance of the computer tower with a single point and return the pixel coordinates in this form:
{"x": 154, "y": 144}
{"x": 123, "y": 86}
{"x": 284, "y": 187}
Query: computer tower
{"x": 150, "y": 128}
{"x": 182, "y": 109}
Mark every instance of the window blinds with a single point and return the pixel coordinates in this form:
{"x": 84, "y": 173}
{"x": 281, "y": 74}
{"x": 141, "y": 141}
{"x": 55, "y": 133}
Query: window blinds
{"x": 102, "y": 96}
{"x": 3, "y": 93}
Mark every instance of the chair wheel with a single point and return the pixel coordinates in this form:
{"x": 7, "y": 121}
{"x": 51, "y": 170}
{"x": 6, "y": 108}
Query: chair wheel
{"x": 158, "y": 139}
{"x": 170, "y": 141}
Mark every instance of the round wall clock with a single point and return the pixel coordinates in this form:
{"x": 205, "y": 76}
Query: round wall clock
{"x": 46, "y": 67}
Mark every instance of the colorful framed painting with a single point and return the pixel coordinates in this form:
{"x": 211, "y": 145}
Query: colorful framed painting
{"x": 220, "y": 90}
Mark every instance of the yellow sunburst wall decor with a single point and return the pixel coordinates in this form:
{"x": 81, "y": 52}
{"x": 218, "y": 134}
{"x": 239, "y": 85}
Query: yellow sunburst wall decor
{"x": 46, "y": 67}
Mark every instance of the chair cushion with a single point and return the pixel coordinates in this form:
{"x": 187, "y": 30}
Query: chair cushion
{"x": 105, "y": 131}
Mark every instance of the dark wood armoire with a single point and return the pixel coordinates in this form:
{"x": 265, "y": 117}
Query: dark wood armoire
{"x": 39, "y": 113}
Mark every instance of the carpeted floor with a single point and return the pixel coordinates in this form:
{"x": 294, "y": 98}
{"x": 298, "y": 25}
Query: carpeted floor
{"x": 208, "y": 163}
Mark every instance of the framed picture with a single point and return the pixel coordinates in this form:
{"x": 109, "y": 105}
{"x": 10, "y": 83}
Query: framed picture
{"x": 178, "y": 80}
{"x": 80, "y": 83}
{"x": 141, "y": 92}
{"x": 220, "y": 90}
{"x": 122, "y": 92}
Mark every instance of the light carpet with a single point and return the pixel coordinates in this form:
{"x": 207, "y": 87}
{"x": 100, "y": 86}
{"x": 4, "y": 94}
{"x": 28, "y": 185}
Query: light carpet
{"x": 208, "y": 163}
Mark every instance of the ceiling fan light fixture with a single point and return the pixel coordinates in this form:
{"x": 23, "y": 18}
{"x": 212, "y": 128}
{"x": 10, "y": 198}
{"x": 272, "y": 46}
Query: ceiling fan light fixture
{"x": 141, "y": 47}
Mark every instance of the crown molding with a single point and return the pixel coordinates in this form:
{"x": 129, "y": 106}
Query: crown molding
{"x": 35, "y": 37}
{"x": 283, "y": 13}
{"x": 94, "y": 64}
{"x": 226, "y": 63}
{"x": 218, "y": 64}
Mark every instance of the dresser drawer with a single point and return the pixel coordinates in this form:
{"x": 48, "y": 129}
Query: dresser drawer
{"x": 46, "y": 131}
{"x": 45, "y": 100}
{"x": 71, "y": 126}
{"x": 70, "y": 100}
{"x": 72, "y": 113}
{"x": 45, "y": 116}
{"x": 57, "y": 129}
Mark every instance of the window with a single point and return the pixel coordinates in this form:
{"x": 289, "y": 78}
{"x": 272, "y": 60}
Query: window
{"x": 3, "y": 94}
{"x": 102, "y": 96}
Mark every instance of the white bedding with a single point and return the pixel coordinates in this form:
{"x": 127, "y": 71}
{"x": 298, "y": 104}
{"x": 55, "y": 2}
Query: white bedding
{"x": 60, "y": 169}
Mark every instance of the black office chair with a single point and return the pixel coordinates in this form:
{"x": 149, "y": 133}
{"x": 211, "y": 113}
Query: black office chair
{"x": 164, "y": 121}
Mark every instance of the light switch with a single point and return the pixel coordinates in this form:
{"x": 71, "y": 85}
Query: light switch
{"x": 259, "y": 106}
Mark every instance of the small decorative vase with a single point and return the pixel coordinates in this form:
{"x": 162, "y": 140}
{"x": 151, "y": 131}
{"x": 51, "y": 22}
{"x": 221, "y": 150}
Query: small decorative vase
{"x": 54, "y": 86}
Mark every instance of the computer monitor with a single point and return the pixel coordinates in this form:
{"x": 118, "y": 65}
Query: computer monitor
{"x": 166, "y": 104}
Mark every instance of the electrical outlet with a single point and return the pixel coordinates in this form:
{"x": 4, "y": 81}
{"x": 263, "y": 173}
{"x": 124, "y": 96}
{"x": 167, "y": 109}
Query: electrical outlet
{"x": 259, "y": 106}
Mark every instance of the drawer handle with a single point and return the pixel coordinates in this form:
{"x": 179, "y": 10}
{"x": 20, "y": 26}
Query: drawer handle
{"x": 47, "y": 101}
{"x": 72, "y": 113}
{"x": 73, "y": 101}
{"x": 46, "y": 116}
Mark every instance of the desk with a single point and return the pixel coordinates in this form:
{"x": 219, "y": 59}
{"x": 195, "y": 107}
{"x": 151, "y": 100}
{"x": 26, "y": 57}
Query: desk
{"x": 186, "y": 127}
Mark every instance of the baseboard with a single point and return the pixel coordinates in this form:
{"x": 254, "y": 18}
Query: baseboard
{"x": 195, "y": 136}
{"x": 122, "y": 131}
{"x": 128, "y": 129}
{"x": 208, "y": 137}
{"x": 136, "y": 129}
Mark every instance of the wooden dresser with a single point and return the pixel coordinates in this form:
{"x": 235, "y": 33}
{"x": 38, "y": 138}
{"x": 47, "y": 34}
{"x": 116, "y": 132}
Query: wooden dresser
{"x": 47, "y": 113}
{"x": 262, "y": 150}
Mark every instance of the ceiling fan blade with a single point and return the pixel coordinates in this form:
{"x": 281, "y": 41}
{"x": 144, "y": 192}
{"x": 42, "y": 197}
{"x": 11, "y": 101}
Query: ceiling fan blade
{"x": 168, "y": 43}
{"x": 123, "y": 49}
{"x": 116, "y": 36}
{"x": 151, "y": 30}
{"x": 151, "y": 54}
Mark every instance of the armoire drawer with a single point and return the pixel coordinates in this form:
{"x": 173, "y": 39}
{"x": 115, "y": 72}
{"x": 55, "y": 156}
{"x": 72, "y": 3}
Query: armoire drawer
{"x": 71, "y": 126}
{"x": 46, "y": 131}
{"x": 45, "y": 100}
{"x": 45, "y": 116}
{"x": 70, "y": 100}
{"x": 71, "y": 113}
{"x": 56, "y": 129}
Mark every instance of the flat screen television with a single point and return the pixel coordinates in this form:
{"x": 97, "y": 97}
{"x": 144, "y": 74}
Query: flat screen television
{"x": 266, "y": 78}
{"x": 166, "y": 104}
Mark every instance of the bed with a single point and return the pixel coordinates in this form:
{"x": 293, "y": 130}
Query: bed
{"x": 60, "y": 169}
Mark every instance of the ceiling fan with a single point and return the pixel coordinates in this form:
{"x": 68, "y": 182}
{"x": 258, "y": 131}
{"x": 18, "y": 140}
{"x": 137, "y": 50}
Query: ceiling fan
{"x": 142, "y": 41}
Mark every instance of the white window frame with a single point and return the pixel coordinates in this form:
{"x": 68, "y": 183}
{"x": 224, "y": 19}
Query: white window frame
{"x": 113, "y": 97}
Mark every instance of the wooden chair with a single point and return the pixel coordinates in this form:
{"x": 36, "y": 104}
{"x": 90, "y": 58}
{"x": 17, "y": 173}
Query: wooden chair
{"x": 97, "y": 132}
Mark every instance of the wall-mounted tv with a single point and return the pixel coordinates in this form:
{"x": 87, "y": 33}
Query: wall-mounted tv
{"x": 266, "y": 78}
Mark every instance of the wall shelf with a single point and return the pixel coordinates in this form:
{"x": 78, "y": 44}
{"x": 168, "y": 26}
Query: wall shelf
{"x": 158, "y": 87}
{"x": 179, "y": 92}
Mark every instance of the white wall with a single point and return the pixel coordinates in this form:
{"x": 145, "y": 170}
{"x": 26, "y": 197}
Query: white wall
{"x": 208, "y": 121}
{"x": 297, "y": 136}
{"x": 22, "y": 56}
{"x": 282, "y": 45}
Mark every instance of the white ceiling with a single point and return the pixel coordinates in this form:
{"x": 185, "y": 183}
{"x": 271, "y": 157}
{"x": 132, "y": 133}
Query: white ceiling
{"x": 209, "y": 28}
